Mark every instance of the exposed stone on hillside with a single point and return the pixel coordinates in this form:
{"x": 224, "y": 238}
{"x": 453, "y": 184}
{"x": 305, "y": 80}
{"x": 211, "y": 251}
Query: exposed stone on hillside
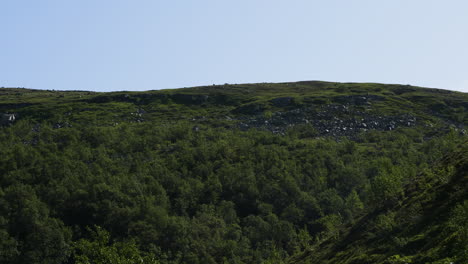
{"x": 6, "y": 119}
{"x": 329, "y": 120}
{"x": 347, "y": 115}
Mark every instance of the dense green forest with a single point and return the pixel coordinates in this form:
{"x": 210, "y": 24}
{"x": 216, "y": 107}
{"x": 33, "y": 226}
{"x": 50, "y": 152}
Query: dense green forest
{"x": 307, "y": 172}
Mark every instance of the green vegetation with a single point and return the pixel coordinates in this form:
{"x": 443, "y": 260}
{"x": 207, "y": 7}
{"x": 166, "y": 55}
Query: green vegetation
{"x": 428, "y": 225}
{"x": 308, "y": 172}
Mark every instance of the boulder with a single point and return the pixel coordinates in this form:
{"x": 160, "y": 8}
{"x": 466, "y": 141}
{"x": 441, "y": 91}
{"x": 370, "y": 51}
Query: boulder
{"x": 6, "y": 119}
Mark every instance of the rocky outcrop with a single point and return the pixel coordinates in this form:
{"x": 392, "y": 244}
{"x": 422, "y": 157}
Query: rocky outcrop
{"x": 6, "y": 119}
{"x": 328, "y": 120}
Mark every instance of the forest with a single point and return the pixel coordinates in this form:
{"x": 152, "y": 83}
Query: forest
{"x": 307, "y": 172}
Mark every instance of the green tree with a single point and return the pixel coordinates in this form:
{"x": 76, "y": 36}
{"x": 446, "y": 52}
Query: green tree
{"x": 99, "y": 249}
{"x": 387, "y": 187}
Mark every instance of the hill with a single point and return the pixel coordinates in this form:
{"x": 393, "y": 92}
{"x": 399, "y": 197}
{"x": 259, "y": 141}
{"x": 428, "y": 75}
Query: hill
{"x": 428, "y": 225}
{"x": 252, "y": 173}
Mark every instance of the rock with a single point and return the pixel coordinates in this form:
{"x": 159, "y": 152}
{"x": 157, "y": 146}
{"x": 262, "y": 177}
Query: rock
{"x": 329, "y": 120}
{"x": 7, "y": 119}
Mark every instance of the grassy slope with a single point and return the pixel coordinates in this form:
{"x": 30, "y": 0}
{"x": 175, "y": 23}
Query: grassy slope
{"x": 216, "y": 101}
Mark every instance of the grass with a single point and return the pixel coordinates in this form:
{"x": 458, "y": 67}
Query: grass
{"x": 428, "y": 105}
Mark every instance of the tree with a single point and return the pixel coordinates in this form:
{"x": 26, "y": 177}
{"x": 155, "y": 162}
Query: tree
{"x": 387, "y": 187}
{"x": 101, "y": 250}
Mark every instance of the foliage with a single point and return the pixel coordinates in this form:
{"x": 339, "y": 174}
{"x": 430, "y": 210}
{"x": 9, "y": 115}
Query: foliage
{"x": 173, "y": 177}
{"x": 100, "y": 250}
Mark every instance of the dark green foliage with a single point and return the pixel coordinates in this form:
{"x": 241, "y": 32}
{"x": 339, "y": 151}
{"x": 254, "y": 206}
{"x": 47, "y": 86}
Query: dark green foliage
{"x": 99, "y": 250}
{"x": 428, "y": 225}
{"x": 233, "y": 174}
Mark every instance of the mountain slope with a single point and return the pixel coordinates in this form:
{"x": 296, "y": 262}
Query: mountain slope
{"x": 428, "y": 226}
{"x": 250, "y": 105}
{"x": 248, "y": 173}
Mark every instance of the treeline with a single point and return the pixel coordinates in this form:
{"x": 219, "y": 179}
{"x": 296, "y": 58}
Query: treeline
{"x": 175, "y": 194}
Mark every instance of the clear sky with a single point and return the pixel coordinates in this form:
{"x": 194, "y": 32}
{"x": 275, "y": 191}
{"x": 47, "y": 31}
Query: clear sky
{"x": 109, "y": 45}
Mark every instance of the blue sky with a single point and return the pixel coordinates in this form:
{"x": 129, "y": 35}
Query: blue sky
{"x": 109, "y": 45}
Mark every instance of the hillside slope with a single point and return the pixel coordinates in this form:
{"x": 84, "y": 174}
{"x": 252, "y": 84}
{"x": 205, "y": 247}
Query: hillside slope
{"x": 250, "y": 173}
{"x": 336, "y": 109}
{"x": 430, "y": 225}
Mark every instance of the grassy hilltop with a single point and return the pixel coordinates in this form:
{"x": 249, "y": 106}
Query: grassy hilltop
{"x": 306, "y": 172}
{"x": 239, "y": 100}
